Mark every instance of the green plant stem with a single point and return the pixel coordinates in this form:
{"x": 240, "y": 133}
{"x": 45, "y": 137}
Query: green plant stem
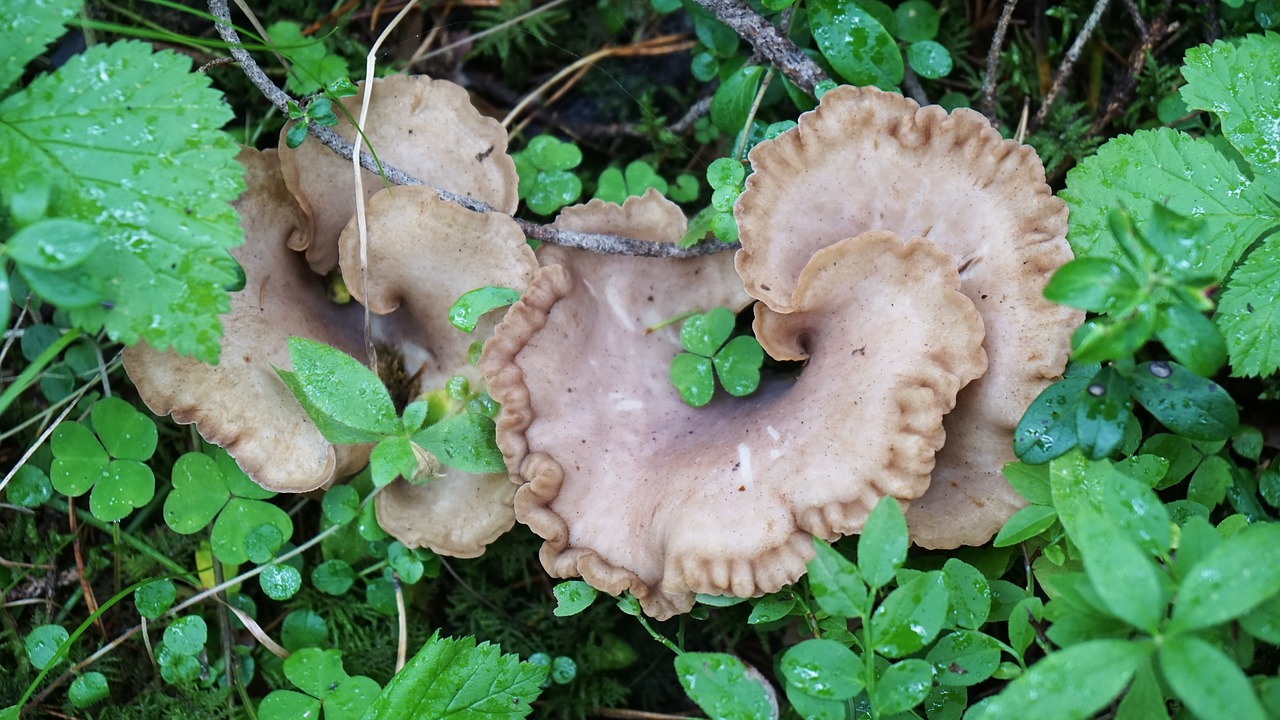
{"x": 37, "y": 366}
{"x": 644, "y": 621}
{"x": 86, "y": 517}
{"x": 869, "y": 658}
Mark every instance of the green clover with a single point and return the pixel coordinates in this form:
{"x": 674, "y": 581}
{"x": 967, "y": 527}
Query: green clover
{"x": 325, "y": 685}
{"x": 546, "y": 183}
{"x": 110, "y": 463}
{"x": 209, "y": 486}
{"x": 711, "y": 354}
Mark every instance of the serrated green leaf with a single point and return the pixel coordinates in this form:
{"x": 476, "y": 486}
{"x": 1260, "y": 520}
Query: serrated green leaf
{"x": 572, "y": 597}
{"x": 1184, "y": 402}
{"x": 1188, "y": 174}
{"x": 465, "y": 442}
{"x": 1209, "y": 681}
{"x": 836, "y": 583}
{"x": 455, "y": 679}
{"x": 467, "y": 311}
{"x": 882, "y": 546}
{"x": 1237, "y": 82}
{"x": 1070, "y": 684}
{"x": 163, "y": 264}
{"x": 1230, "y": 579}
{"x": 29, "y": 26}
{"x": 911, "y": 616}
{"x": 1249, "y": 312}
{"x": 720, "y": 685}
{"x": 856, "y": 43}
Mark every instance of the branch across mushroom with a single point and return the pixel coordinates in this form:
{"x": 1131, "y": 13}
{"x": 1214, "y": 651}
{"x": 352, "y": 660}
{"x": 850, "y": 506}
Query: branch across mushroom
{"x": 870, "y": 160}
{"x": 634, "y": 490}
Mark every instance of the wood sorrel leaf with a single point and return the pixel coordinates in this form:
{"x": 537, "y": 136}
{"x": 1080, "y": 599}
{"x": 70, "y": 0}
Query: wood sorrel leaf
{"x": 199, "y": 492}
{"x": 315, "y": 671}
{"x": 704, "y": 334}
{"x": 125, "y": 432}
{"x": 737, "y": 365}
{"x": 466, "y": 312}
{"x": 230, "y": 533}
{"x": 1184, "y": 402}
{"x": 693, "y": 378}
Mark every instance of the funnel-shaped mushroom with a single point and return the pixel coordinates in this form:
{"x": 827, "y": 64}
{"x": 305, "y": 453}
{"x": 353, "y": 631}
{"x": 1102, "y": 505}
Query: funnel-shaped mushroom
{"x": 240, "y": 404}
{"x": 425, "y": 127}
{"x": 634, "y": 490}
{"x": 454, "y": 251}
{"x": 870, "y": 160}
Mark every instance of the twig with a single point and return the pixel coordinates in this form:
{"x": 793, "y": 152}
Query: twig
{"x": 911, "y": 84}
{"x": 402, "y": 624}
{"x": 1156, "y": 33}
{"x": 993, "y": 63}
{"x": 1068, "y": 63}
{"x": 594, "y": 242}
{"x": 767, "y": 40}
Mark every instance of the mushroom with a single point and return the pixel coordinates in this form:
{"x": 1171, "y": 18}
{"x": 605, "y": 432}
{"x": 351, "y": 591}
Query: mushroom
{"x": 635, "y": 491}
{"x": 870, "y": 160}
{"x": 241, "y": 404}
{"x": 425, "y": 127}
{"x": 454, "y": 250}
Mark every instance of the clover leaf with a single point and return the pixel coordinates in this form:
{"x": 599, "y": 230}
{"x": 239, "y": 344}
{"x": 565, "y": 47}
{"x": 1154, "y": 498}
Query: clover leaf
{"x": 705, "y": 337}
{"x": 546, "y": 185}
{"x": 109, "y": 463}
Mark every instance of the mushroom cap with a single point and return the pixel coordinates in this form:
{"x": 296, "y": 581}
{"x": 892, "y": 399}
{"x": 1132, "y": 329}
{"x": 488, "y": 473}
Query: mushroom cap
{"x": 635, "y": 491}
{"x": 241, "y": 404}
{"x": 454, "y": 251}
{"x": 870, "y": 160}
{"x": 427, "y": 128}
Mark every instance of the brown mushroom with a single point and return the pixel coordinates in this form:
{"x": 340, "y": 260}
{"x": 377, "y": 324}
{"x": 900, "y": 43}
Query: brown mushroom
{"x": 241, "y": 404}
{"x": 454, "y": 251}
{"x": 870, "y": 160}
{"x": 635, "y": 491}
{"x": 425, "y": 127}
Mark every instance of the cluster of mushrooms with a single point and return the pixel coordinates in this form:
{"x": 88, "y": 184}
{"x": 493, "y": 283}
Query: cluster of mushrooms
{"x": 898, "y": 251}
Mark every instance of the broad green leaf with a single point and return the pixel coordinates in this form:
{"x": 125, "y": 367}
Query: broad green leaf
{"x": 929, "y": 59}
{"x": 1048, "y": 428}
{"x": 1031, "y": 481}
{"x": 1188, "y": 174}
{"x": 720, "y": 685}
{"x": 42, "y": 645}
{"x": 946, "y": 702}
{"x": 177, "y": 668}
{"x": 78, "y": 459}
{"x": 733, "y": 99}
{"x": 333, "y": 577}
{"x": 911, "y": 616}
{"x": 314, "y": 671}
{"x": 1175, "y": 240}
{"x": 836, "y": 583}
{"x": 903, "y": 685}
{"x": 693, "y": 378}
{"x": 88, "y": 689}
{"x": 455, "y": 679}
{"x": 1209, "y": 681}
{"x": 823, "y": 669}
{"x": 769, "y": 608}
{"x": 237, "y": 519}
{"x": 1025, "y": 524}
{"x": 124, "y": 486}
{"x": 810, "y": 707}
{"x": 969, "y": 594}
{"x": 29, "y": 26}
{"x": 1102, "y": 412}
{"x": 1021, "y": 630}
{"x": 1230, "y": 580}
{"x": 392, "y": 458}
{"x": 155, "y": 598}
{"x": 163, "y": 265}
{"x": 641, "y": 176}
{"x": 349, "y": 396}
{"x": 572, "y": 597}
{"x": 916, "y": 20}
{"x": 1237, "y": 82}
{"x": 1179, "y": 452}
{"x": 1249, "y": 312}
{"x": 1114, "y": 337}
{"x": 312, "y": 67}
{"x": 29, "y": 488}
{"x": 303, "y": 628}
{"x": 1080, "y": 486}
{"x": 855, "y": 43}
{"x": 199, "y": 492}
{"x": 1184, "y": 402}
{"x": 280, "y": 582}
{"x": 466, "y": 312}
{"x": 52, "y": 244}
{"x": 1144, "y": 701}
{"x": 288, "y": 705}
{"x": 1192, "y": 339}
{"x": 1070, "y": 684}
{"x": 551, "y": 153}
{"x": 552, "y": 190}
{"x": 1209, "y": 484}
{"x": 704, "y": 333}
{"x": 465, "y": 442}
{"x": 124, "y": 432}
{"x": 1122, "y": 574}
{"x": 964, "y": 658}
{"x": 1093, "y": 283}
{"x": 186, "y": 635}
{"x": 737, "y": 365}
{"x": 882, "y": 546}
{"x": 1263, "y": 622}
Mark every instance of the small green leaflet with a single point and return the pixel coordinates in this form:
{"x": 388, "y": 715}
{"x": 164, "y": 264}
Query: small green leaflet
{"x": 1237, "y": 82}
{"x": 455, "y": 679}
{"x": 1249, "y": 312}
{"x": 163, "y": 264}
{"x": 465, "y": 442}
{"x": 1188, "y": 174}
{"x": 466, "y": 312}
{"x": 346, "y": 400}
{"x": 29, "y": 26}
